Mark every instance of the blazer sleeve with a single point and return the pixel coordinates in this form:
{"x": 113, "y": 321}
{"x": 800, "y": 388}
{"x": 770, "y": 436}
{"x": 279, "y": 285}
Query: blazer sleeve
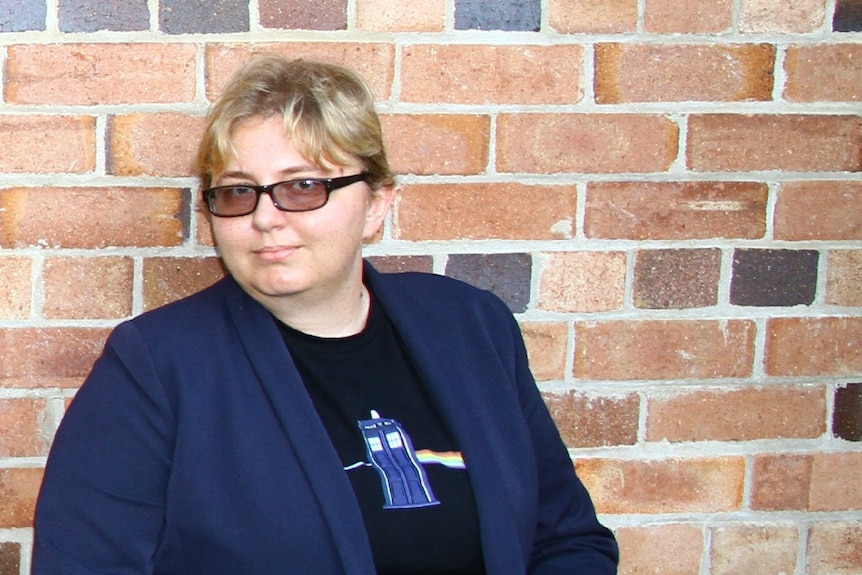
{"x": 102, "y": 501}
{"x": 569, "y": 538}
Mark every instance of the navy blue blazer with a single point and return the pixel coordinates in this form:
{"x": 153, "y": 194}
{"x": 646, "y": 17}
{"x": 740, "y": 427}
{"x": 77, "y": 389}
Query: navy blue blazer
{"x": 194, "y": 449}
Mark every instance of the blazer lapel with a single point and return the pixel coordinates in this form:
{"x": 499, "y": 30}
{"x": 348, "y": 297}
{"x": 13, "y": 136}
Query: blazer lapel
{"x": 281, "y": 383}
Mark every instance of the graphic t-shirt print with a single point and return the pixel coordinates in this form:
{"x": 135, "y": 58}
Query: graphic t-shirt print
{"x": 399, "y": 465}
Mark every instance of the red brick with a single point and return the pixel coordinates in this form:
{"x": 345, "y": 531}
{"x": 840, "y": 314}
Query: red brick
{"x": 664, "y": 349}
{"x": 169, "y": 279}
{"x": 813, "y": 346}
{"x": 740, "y": 142}
{"x": 834, "y": 548}
{"x": 375, "y": 62}
{"x": 484, "y": 211}
{"x": 437, "y": 144}
{"x": 104, "y": 73}
{"x": 48, "y": 144}
{"x": 779, "y": 16}
{"x": 836, "y": 482}
{"x": 21, "y": 422}
{"x": 585, "y": 143}
{"x": 16, "y": 292}
{"x": 546, "y": 347}
{"x": 153, "y": 144}
{"x": 595, "y": 421}
{"x": 401, "y": 16}
{"x": 593, "y": 16}
{"x": 692, "y": 72}
{"x": 843, "y": 278}
{"x": 761, "y": 549}
{"x": 78, "y": 218}
{"x": 88, "y": 288}
{"x": 698, "y": 485}
{"x": 583, "y": 281}
{"x": 675, "y": 210}
{"x": 672, "y": 549}
{"x": 824, "y": 73}
{"x": 48, "y": 357}
{"x": 18, "y": 490}
{"x": 781, "y": 482}
{"x": 688, "y": 16}
{"x": 491, "y": 74}
{"x": 825, "y": 210}
{"x": 738, "y": 415}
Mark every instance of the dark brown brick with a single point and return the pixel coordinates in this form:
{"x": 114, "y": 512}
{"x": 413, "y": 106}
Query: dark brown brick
{"x": 10, "y": 558}
{"x": 169, "y": 279}
{"x": 676, "y": 279}
{"x": 848, "y": 16}
{"x": 507, "y": 275}
{"x": 210, "y": 17}
{"x": 847, "y": 417}
{"x": 397, "y": 264}
{"x": 774, "y": 277}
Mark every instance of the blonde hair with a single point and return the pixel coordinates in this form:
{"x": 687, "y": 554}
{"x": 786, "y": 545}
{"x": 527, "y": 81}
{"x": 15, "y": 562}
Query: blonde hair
{"x": 328, "y": 115}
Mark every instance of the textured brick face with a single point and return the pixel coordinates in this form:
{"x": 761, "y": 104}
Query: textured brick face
{"x": 754, "y": 549}
{"x": 507, "y": 275}
{"x": 153, "y": 144}
{"x": 819, "y": 211}
{"x": 847, "y": 417}
{"x": 583, "y": 281}
{"x": 17, "y": 16}
{"x": 15, "y": 295}
{"x": 672, "y": 549}
{"x": 93, "y": 15}
{"x": 169, "y": 279}
{"x": 676, "y": 279}
{"x": 774, "y": 277}
{"x": 52, "y": 144}
{"x": 302, "y": 15}
{"x": 812, "y": 346}
{"x": 213, "y": 16}
{"x": 688, "y": 16}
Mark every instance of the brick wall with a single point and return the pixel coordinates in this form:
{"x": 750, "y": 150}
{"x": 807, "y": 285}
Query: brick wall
{"x": 666, "y": 192}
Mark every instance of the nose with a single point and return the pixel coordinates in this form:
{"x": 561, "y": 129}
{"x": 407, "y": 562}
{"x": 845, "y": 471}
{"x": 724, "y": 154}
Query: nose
{"x": 265, "y": 215}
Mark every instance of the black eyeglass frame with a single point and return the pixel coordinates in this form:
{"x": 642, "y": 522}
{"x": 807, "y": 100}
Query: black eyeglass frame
{"x": 330, "y": 184}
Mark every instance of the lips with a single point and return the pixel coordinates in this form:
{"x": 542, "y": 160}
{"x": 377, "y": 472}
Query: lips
{"x": 275, "y": 253}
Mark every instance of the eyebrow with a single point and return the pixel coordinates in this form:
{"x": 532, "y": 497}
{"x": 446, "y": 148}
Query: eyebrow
{"x": 286, "y": 173}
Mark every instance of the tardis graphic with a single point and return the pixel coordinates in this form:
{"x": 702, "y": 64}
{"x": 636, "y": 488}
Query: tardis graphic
{"x": 391, "y": 454}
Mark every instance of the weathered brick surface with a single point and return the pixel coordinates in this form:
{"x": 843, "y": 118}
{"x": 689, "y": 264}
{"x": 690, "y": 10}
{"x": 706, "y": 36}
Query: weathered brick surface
{"x": 169, "y": 279}
{"x": 487, "y": 74}
{"x": 401, "y": 16}
{"x": 399, "y": 264}
{"x": 777, "y": 16}
{"x": 121, "y": 15}
{"x": 675, "y": 211}
{"x": 813, "y": 346}
{"x": 587, "y": 421}
{"x": 48, "y": 357}
{"x": 583, "y": 281}
{"x": 20, "y": 420}
{"x": 688, "y": 16}
{"x": 18, "y": 490}
{"x": 628, "y": 72}
{"x": 593, "y": 16}
{"x": 17, "y": 287}
{"x": 835, "y": 484}
{"x": 509, "y": 15}
{"x": 846, "y": 422}
{"x": 213, "y": 16}
{"x": 153, "y": 144}
{"x": 10, "y": 559}
{"x": 781, "y": 482}
{"x": 738, "y": 415}
{"x": 664, "y": 486}
{"x": 676, "y": 279}
{"x": 429, "y": 144}
{"x": 373, "y": 61}
{"x": 585, "y": 143}
{"x": 88, "y": 288}
{"x": 843, "y": 278}
{"x": 77, "y": 218}
{"x": 833, "y": 547}
{"x": 657, "y": 349}
{"x": 819, "y": 211}
{"x": 671, "y": 549}
{"x": 848, "y": 16}
{"x": 21, "y": 17}
{"x": 49, "y": 144}
{"x": 485, "y": 211}
{"x": 546, "y": 348}
{"x": 754, "y": 549}
{"x": 303, "y": 15}
{"x": 739, "y": 142}
{"x": 507, "y": 275}
{"x": 824, "y": 72}
{"x": 88, "y": 74}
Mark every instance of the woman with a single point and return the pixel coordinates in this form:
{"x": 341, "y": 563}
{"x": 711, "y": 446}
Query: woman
{"x": 307, "y": 414}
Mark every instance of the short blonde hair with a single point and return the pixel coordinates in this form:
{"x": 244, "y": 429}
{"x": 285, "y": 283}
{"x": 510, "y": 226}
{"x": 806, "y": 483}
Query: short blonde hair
{"x": 328, "y": 114}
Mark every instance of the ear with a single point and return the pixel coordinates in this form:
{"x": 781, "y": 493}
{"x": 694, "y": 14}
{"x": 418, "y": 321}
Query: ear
{"x": 376, "y": 209}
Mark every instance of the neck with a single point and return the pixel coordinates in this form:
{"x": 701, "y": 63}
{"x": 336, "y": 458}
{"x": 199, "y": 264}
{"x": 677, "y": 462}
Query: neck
{"x": 332, "y": 317}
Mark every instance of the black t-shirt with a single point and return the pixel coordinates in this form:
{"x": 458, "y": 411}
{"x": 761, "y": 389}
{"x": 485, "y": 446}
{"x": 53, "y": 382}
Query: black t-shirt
{"x": 406, "y": 469}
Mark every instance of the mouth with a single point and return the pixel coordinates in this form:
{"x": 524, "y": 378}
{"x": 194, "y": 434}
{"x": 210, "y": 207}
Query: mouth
{"x": 275, "y": 253}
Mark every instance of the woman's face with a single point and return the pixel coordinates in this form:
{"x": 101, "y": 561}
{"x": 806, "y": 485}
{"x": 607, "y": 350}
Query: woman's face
{"x": 275, "y": 254}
